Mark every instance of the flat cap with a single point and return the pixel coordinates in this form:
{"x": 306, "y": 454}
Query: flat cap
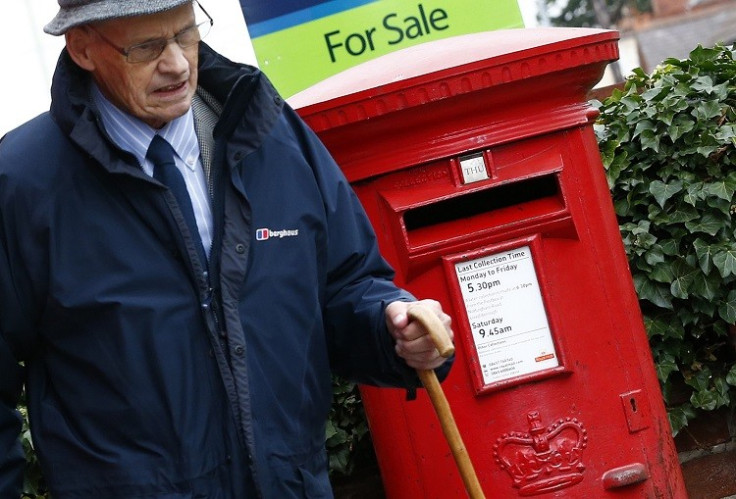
{"x": 76, "y": 12}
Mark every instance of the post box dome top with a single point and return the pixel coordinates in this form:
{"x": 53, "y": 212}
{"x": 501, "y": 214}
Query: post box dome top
{"x": 450, "y": 66}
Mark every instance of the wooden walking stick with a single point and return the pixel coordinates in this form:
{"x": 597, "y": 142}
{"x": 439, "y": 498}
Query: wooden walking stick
{"x": 436, "y": 330}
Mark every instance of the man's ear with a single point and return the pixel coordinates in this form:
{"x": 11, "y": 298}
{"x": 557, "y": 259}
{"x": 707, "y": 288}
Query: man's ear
{"x": 78, "y": 44}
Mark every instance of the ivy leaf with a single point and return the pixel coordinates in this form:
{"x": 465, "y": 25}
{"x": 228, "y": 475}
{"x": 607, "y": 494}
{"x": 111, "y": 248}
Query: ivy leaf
{"x": 704, "y": 309}
{"x": 706, "y": 151}
{"x": 725, "y": 262}
{"x": 700, "y": 56}
{"x": 642, "y": 126}
{"x": 727, "y": 310}
{"x": 622, "y": 207}
{"x": 708, "y": 223}
{"x": 644, "y": 240}
{"x": 684, "y": 276}
{"x": 339, "y": 460}
{"x": 687, "y": 317}
{"x": 619, "y": 163}
{"x": 704, "y": 399}
{"x": 650, "y": 140}
{"x": 694, "y": 193}
{"x": 654, "y": 255}
{"x": 708, "y": 286}
{"x": 670, "y": 247}
{"x": 703, "y": 84}
{"x": 721, "y": 391}
{"x": 681, "y": 214}
{"x": 665, "y": 367}
{"x": 679, "y": 417}
{"x": 662, "y": 273}
{"x": 656, "y": 327}
{"x": 726, "y": 133}
{"x": 662, "y": 192}
{"x": 720, "y": 205}
{"x": 330, "y": 431}
{"x": 654, "y": 94}
{"x": 721, "y": 91}
{"x": 699, "y": 380}
{"x": 679, "y": 127}
{"x": 723, "y": 189}
{"x": 721, "y": 329}
{"x": 704, "y": 252}
{"x": 707, "y": 110}
{"x": 731, "y": 376}
{"x": 653, "y": 292}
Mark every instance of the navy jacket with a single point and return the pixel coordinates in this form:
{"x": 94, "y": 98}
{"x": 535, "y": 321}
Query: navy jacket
{"x": 144, "y": 377}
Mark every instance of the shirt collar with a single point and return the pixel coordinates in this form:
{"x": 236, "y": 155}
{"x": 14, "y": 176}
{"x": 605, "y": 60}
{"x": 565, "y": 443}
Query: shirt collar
{"x": 133, "y": 135}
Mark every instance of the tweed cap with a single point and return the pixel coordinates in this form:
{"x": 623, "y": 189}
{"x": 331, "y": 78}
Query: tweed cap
{"x": 77, "y": 12}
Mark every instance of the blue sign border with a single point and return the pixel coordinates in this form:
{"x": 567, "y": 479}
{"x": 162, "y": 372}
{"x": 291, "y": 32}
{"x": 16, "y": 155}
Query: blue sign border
{"x": 302, "y": 16}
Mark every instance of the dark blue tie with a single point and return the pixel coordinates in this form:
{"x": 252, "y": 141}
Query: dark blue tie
{"x": 161, "y": 154}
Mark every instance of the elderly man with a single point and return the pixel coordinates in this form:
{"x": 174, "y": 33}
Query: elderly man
{"x": 181, "y": 266}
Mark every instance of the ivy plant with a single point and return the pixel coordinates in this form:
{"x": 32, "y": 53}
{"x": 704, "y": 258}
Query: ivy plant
{"x": 33, "y": 483}
{"x": 668, "y": 144}
{"x": 346, "y": 427}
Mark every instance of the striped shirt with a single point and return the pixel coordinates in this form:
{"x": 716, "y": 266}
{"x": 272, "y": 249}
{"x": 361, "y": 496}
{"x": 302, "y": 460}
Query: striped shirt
{"x": 132, "y": 135}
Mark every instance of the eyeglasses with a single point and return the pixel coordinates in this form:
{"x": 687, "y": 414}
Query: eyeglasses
{"x": 152, "y": 49}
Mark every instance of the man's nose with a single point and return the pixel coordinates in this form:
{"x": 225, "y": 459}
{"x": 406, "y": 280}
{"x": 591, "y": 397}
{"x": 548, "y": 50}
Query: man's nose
{"x": 173, "y": 59}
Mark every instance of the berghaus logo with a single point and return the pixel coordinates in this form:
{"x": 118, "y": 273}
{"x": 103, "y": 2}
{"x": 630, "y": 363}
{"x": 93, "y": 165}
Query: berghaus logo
{"x": 266, "y": 234}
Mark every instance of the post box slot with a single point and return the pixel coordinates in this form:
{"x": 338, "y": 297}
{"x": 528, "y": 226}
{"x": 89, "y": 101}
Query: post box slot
{"x": 480, "y": 202}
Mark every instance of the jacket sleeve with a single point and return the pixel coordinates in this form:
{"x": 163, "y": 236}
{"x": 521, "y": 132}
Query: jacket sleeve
{"x": 16, "y": 326}
{"x": 359, "y": 282}
{"x": 11, "y": 453}
{"x": 11, "y": 381}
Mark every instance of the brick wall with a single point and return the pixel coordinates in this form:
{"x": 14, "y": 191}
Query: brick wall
{"x": 666, "y": 8}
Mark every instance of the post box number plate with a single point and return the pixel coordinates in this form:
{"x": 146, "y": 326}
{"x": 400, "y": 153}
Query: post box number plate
{"x": 506, "y": 314}
{"x": 473, "y": 168}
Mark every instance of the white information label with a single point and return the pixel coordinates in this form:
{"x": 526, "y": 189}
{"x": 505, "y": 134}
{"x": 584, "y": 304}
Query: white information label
{"x": 506, "y": 315}
{"x": 473, "y": 169}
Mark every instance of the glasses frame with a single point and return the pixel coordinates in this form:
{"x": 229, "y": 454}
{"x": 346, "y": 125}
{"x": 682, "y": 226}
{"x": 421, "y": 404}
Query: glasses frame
{"x": 125, "y": 51}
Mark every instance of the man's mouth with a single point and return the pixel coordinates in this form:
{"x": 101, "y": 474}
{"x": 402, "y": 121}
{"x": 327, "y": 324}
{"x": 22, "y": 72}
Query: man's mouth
{"x": 171, "y": 88}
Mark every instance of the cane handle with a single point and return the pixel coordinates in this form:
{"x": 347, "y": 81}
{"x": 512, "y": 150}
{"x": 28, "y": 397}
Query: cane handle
{"x": 429, "y": 320}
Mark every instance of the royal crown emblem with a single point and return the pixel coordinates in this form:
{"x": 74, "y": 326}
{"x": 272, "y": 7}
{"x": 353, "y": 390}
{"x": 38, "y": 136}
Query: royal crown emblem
{"x": 545, "y": 459}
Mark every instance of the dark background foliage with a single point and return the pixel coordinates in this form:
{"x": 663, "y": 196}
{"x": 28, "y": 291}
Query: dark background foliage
{"x": 593, "y": 13}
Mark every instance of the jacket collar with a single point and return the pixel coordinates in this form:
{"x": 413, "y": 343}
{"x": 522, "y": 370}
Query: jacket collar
{"x": 251, "y": 105}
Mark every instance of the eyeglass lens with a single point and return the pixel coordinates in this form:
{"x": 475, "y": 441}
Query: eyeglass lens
{"x": 149, "y": 51}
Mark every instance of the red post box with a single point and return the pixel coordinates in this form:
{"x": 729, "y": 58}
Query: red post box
{"x": 476, "y": 161}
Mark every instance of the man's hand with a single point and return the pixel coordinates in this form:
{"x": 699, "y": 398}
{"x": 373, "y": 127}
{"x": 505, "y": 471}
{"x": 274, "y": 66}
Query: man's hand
{"x": 413, "y": 343}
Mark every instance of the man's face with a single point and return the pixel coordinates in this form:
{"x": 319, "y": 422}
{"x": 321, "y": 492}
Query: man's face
{"x": 157, "y": 91}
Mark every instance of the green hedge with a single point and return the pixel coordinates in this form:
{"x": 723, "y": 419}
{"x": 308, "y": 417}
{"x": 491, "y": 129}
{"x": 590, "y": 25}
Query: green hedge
{"x": 668, "y": 143}
{"x": 33, "y": 484}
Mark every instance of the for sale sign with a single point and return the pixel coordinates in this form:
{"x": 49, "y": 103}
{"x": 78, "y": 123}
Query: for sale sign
{"x": 300, "y": 42}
